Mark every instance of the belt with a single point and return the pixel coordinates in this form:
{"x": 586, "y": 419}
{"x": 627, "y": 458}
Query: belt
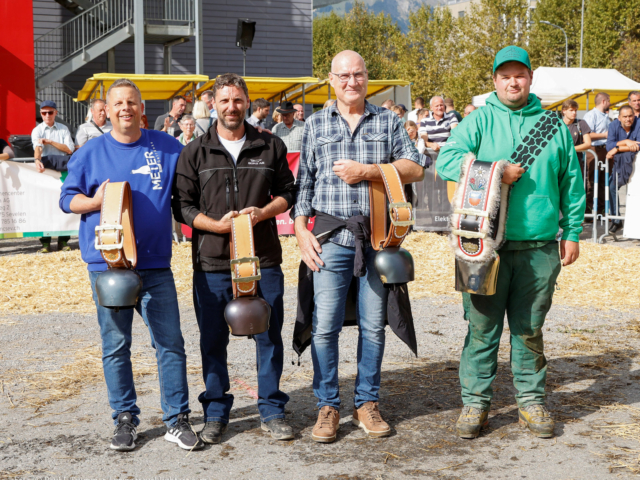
{"x": 115, "y": 237}
{"x": 389, "y": 230}
{"x": 245, "y": 266}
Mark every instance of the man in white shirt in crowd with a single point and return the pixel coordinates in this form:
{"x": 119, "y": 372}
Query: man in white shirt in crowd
{"x": 52, "y": 143}
{"x": 261, "y": 113}
{"x": 418, "y": 105}
{"x": 598, "y": 121}
{"x": 98, "y": 125}
{"x": 52, "y": 147}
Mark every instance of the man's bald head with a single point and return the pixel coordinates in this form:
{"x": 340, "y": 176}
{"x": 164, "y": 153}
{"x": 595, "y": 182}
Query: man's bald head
{"x": 349, "y": 59}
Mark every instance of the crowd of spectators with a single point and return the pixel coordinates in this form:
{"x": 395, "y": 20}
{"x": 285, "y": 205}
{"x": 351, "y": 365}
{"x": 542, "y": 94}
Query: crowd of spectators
{"x": 614, "y": 142}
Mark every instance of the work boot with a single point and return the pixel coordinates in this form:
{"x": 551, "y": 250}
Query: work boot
{"x": 63, "y": 247}
{"x": 278, "y": 429}
{"x": 46, "y": 248}
{"x": 368, "y": 418}
{"x": 471, "y": 421}
{"x": 213, "y": 431}
{"x": 537, "y": 419}
{"x": 326, "y": 428}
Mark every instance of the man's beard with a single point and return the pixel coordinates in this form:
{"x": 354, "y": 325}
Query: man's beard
{"x": 235, "y": 125}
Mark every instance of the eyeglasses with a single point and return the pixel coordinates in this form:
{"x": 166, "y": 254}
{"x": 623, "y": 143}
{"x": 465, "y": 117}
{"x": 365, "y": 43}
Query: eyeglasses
{"x": 48, "y": 112}
{"x": 344, "y": 77}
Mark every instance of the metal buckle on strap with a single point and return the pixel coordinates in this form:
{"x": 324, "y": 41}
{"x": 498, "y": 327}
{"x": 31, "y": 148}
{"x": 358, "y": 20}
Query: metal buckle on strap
{"x": 401, "y": 223}
{"x": 239, "y": 261}
{"x": 102, "y": 228}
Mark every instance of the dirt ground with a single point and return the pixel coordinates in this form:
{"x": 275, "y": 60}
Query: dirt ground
{"x": 56, "y": 421}
{"x": 56, "y": 418}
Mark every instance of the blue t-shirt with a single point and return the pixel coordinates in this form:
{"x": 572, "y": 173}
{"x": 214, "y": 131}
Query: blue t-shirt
{"x": 149, "y": 165}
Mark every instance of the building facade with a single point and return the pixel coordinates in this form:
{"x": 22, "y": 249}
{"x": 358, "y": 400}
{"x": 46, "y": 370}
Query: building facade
{"x": 282, "y": 46}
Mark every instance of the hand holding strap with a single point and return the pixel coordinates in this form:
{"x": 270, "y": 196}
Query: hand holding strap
{"x": 245, "y": 266}
{"x": 389, "y": 230}
{"x": 115, "y": 237}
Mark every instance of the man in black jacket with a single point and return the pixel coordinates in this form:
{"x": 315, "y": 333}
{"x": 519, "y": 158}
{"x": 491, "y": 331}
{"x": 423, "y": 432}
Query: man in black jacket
{"x": 230, "y": 170}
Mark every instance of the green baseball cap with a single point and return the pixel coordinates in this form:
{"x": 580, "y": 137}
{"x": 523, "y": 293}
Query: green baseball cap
{"x": 511, "y": 54}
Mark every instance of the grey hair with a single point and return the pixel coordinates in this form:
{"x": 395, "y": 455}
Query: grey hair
{"x": 434, "y": 97}
{"x": 93, "y": 101}
{"x": 230, "y": 80}
{"x": 186, "y": 118}
{"x": 123, "y": 82}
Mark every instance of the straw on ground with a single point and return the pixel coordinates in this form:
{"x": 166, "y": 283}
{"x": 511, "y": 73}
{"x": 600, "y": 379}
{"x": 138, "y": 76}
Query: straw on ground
{"x": 605, "y": 276}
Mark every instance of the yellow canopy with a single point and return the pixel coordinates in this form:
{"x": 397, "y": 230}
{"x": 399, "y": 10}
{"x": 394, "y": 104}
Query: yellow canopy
{"x": 152, "y": 87}
{"x": 618, "y": 98}
{"x": 269, "y": 88}
{"x": 320, "y": 93}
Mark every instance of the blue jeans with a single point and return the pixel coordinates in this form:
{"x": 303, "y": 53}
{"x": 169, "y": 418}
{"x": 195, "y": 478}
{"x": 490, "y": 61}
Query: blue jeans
{"x": 212, "y": 292}
{"x": 331, "y": 285}
{"x": 158, "y": 307}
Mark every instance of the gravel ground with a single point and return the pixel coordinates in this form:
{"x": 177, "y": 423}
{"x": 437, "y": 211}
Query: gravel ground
{"x": 592, "y": 385}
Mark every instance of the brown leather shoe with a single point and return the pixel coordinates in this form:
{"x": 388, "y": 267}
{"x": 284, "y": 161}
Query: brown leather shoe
{"x": 326, "y": 427}
{"x": 368, "y": 418}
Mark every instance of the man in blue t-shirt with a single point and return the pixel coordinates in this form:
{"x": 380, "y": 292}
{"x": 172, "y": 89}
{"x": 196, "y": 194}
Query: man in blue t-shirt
{"x": 147, "y": 160}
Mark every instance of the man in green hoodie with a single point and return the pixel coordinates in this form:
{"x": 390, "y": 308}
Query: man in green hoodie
{"x": 546, "y": 181}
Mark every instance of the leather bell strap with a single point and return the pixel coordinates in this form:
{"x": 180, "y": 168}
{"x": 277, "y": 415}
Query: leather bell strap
{"x": 389, "y": 225}
{"x": 245, "y": 266}
{"x": 115, "y": 237}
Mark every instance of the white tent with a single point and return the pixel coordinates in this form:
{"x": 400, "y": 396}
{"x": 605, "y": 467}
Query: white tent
{"x": 554, "y": 85}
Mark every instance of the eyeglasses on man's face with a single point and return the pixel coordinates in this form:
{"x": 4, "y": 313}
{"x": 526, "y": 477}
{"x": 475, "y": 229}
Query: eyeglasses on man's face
{"x": 47, "y": 112}
{"x": 344, "y": 77}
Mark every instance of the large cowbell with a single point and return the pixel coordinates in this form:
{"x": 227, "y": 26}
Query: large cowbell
{"x": 247, "y": 316}
{"x": 118, "y": 288}
{"x": 395, "y": 265}
{"x": 478, "y": 278}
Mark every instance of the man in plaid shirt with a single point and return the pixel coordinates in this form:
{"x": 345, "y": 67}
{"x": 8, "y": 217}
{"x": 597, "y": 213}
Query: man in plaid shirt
{"x": 340, "y": 144}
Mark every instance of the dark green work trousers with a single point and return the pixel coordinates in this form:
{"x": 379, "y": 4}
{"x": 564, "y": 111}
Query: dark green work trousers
{"x": 526, "y": 282}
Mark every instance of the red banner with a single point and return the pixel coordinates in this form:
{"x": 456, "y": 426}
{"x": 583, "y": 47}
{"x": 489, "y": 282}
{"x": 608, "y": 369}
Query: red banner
{"x": 284, "y": 221}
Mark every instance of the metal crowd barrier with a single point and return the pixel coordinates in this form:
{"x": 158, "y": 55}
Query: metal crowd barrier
{"x": 607, "y": 216}
{"x": 431, "y": 202}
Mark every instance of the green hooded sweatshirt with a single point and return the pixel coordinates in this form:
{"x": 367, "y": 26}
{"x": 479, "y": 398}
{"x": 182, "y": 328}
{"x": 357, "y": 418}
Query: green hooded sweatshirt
{"x": 551, "y": 185}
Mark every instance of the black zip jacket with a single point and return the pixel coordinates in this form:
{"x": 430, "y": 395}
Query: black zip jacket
{"x": 208, "y": 182}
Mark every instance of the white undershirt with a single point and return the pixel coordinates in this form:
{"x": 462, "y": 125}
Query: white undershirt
{"x": 233, "y": 146}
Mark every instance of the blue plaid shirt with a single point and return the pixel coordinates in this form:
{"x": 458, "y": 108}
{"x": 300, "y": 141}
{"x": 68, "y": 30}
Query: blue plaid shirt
{"x": 327, "y": 138}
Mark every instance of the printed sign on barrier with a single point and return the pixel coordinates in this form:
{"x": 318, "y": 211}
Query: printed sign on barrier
{"x": 29, "y": 203}
{"x": 284, "y": 221}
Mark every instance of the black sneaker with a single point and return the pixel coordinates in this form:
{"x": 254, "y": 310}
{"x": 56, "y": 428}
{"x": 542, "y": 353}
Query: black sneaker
{"x": 182, "y": 433}
{"x": 278, "y": 428}
{"x": 124, "y": 436}
{"x": 213, "y": 431}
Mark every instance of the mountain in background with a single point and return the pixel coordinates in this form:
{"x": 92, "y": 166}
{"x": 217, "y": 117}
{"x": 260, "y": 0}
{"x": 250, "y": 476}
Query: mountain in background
{"x": 398, "y": 9}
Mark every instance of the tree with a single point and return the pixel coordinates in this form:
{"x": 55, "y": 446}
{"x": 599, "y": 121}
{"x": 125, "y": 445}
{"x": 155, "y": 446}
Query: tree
{"x": 487, "y": 28}
{"x": 428, "y": 50}
{"x": 374, "y": 37}
{"x": 627, "y": 61}
{"x": 453, "y": 57}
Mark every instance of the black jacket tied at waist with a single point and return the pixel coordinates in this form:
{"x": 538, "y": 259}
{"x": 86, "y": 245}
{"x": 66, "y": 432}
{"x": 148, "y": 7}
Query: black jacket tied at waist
{"x": 399, "y": 315}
